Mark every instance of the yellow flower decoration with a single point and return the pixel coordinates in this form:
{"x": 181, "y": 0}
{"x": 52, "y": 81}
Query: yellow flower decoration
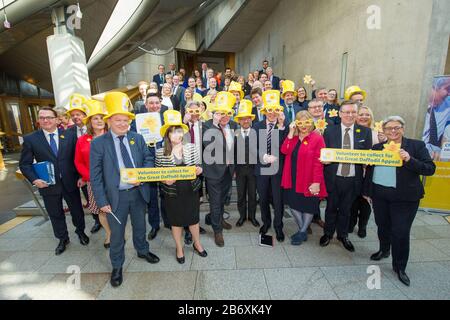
{"x": 321, "y": 124}
{"x": 61, "y": 136}
{"x": 378, "y": 126}
{"x": 333, "y": 113}
{"x": 307, "y": 79}
{"x": 150, "y": 123}
{"x": 132, "y": 142}
{"x": 392, "y": 147}
{"x": 305, "y": 143}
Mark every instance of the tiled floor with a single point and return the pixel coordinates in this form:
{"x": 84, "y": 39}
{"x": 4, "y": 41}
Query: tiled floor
{"x": 241, "y": 270}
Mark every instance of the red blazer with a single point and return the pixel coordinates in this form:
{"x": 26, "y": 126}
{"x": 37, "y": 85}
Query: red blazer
{"x": 309, "y": 168}
{"x": 82, "y": 151}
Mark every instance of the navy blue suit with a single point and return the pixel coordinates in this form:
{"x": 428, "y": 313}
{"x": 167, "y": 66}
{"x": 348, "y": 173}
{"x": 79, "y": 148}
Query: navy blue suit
{"x": 296, "y": 107}
{"x": 275, "y": 83}
{"x": 268, "y": 177}
{"x": 327, "y": 108}
{"x": 36, "y": 147}
{"x": 157, "y": 79}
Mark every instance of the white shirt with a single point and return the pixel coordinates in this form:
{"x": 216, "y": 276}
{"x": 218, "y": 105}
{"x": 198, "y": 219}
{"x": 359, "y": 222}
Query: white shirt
{"x": 167, "y": 102}
{"x": 352, "y": 146}
{"x": 245, "y": 132}
{"x": 81, "y": 131}
{"x": 197, "y": 136}
{"x": 55, "y": 137}
{"x": 228, "y": 136}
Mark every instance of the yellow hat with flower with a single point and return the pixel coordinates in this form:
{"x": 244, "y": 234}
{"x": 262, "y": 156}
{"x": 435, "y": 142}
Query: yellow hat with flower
{"x": 93, "y": 108}
{"x": 288, "y": 86}
{"x": 76, "y": 102}
{"x": 236, "y": 87}
{"x": 172, "y": 118}
{"x": 224, "y": 101}
{"x": 117, "y": 103}
{"x": 245, "y": 110}
{"x": 271, "y": 100}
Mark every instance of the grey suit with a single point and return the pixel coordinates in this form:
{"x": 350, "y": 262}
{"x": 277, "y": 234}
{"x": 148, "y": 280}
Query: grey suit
{"x": 105, "y": 181}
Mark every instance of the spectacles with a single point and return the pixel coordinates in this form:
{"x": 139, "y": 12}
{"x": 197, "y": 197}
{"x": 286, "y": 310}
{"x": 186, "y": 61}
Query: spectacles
{"x": 46, "y": 118}
{"x": 223, "y": 114}
{"x": 349, "y": 113}
{"x": 392, "y": 129}
{"x": 194, "y": 111}
{"x": 306, "y": 123}
{"x": 274, "y": 110}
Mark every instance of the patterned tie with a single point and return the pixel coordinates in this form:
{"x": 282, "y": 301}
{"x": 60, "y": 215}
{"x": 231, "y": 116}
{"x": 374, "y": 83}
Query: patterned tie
{"x": 291, "y": 112}
{"x": 269, "y": 139}
{"x": 434, "y": 139}
{"x": 346, "y": 145}
{"x": 125, "y": 155}
{"x": 53, "y": 144}
{"x": 191, "y": 132}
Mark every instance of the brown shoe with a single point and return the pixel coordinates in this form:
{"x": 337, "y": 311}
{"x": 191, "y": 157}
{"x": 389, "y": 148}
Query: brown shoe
{"x": 226, "y": 225}
{"x": 218, "y": 239}
{"x": 320, "y": 223}
{"x": 309, "y": 230}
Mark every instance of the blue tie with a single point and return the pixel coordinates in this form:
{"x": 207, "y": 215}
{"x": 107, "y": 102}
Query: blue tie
{"x": 125, "y": 155}
{"x": 53, "y": 144}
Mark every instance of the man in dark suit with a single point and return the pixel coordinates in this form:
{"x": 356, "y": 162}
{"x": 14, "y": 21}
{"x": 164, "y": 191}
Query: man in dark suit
{"x": 272, "y": 78}
{"x": 77, "y": 113}
{"x": 245, "y": 139}
{"x": 265, "y": 66}
{"x": 256, "y": 96}
{"x": 343, "y": 180}
{"x": 160, "y": 77}
{"x": 218, "y": 162}
{"x": 204, "y": 74}
{"x": 57, "y": 147}
{"x": 172, "y": 69}
{"x": 271, "y": 133}
{"x": 119, "y": 149}
{"x": 290, "y": 104}
{"x": 178, "y": 90}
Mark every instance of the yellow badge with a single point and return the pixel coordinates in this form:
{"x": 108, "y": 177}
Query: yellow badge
{"x": 132, "y": 142}
{"x": 333, "y": 113}
{"x": 61, "y": 136}
{"x": 392, "y": 146}
{"x": 358, "y": 130}
{"x": 305, "y": 143}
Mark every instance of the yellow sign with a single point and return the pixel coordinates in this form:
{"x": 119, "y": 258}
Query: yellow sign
{"x": 369, "y": 157}
{"x": 437, "y": 188}
{"x": 132, "y": 176}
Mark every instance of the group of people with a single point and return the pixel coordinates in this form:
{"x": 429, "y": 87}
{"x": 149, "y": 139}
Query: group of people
{"x": 269, "y": 140}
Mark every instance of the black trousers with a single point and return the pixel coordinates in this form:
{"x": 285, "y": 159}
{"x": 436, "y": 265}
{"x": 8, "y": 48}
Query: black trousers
{"x": 85, "y": 194}
{"x": 217, "y": 191}
{"x": 54, "y": 206}
{"x": 394, "y": 220}
{"x": 264, "y": 185}
{"x": 360, "y": 213}
{"x": 339, "y": 203}
{"x": 246, "y": 190}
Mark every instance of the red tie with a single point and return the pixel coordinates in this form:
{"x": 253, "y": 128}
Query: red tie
{"x": 191, "y": 131}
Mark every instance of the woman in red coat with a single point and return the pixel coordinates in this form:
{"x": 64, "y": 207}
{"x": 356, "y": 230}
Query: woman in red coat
{"x": 95, "y": 127}
{"x": 302, "y": 177}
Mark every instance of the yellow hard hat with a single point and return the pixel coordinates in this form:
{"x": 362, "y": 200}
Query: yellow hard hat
{"x": 271, "y": 100}
{"x": 288, "y": 86}
{"x": 172, "y": 118}
{"x": 224, "y": 101}
{"x": 245, "y": 110}
{"x": 117, "y": 103}
{"x": 93, "y": 108}
{"x": 76, "y": 102}
{"x": 354, "y": 90}
{"x": 236, "y": 86}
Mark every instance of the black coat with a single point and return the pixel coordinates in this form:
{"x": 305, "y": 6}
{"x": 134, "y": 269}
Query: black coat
{"x": 409, "y": 185}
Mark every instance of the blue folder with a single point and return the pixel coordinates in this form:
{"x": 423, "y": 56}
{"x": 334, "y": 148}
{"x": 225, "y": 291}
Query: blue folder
{"x": 45, "y": 171}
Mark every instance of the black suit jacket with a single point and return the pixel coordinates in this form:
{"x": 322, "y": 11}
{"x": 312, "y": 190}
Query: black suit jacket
{"x": 244, "y": 149}
{"x": 216, "y": 170}
{"x": 261, "y": 146}
{"x": 275, "y": 83}
{"x": 257, "y": 119}
{"x": 362, "y": 140}
{"x": 327, "y": 108}
{"x": 36, "y": 147}
{"x": 409, "y": 185}
{"x": 157, "y": 79}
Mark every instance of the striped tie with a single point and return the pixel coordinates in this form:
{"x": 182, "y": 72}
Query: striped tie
{"x": 269, "y": 139}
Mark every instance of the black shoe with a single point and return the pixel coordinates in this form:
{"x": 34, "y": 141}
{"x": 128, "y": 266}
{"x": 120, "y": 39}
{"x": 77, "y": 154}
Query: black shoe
{"x": 351, "y": 229}
{"x": 116, "y": 277}
{"x": 202, "y": 254}
{"x": 180, "y": 260}
{"x": 150, "y": 257}
{"x": 84, "y": 240}
{"x": 107, "y": 245}
{"x": 347, "y": 244}
{"x": 240, "y": 222}
{"x": 280, "y": 235}
{"x": 380, "y": 255}
{"x": 153, "y": 233}
{"x": 403, "y": 277}
{"x": 188, "y": 238}
{"x": 208, "y": 219}
{"x": 254, "y": 222}
{"x": 325, "y": 240}
{"x": 61, "y": 246}
{"x": 264, "y": 229}
{"x": 362, "y": 233}
{"x": 96, "y": 228}
{"x": 202, "y": 231}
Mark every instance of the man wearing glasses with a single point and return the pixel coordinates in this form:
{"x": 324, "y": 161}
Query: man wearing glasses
{"x": 58, "y": 147}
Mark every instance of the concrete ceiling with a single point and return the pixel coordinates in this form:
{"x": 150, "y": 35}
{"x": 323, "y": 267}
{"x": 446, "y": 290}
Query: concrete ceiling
{"x": 243, "y": 27}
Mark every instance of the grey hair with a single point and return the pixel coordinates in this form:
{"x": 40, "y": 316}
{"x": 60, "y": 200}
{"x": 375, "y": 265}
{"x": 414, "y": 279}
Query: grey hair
{"x": 392, "y": 119}
{"x": 193, "y": 103}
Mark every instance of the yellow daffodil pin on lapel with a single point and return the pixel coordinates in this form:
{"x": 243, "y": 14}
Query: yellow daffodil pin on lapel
{"x": 333, "y": 113}
{"x": 132, "y": 141}
{"x": 61, "y": 136}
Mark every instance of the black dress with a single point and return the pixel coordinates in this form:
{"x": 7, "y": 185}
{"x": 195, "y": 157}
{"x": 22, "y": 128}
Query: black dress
{"x": 184, "y": 209}
{"x": 297, "y": 201}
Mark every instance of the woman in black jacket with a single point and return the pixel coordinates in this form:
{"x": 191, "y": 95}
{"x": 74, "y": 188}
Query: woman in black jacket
{"x": 395, "y": 194}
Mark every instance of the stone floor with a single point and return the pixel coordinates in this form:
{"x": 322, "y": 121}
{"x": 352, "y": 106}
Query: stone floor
{"x": 241, "y": 270}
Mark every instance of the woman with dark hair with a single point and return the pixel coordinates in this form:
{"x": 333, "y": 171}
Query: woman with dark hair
{"x": 181, "y": 198}
{"x": 302, "y": 98}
